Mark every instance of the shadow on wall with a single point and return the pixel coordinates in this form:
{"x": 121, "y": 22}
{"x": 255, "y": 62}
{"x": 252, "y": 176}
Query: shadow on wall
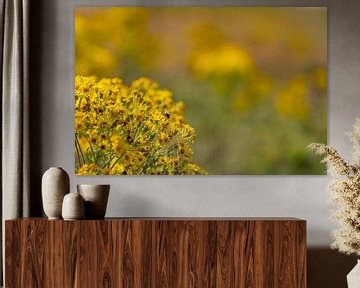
{"x": 138, "y": 207}
{"x": 328, "y": 268}
{"x": 35, "y": 81}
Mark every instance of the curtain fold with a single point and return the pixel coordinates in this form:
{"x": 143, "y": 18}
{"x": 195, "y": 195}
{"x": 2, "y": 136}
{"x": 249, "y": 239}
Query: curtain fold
{"x": 15, "y": 186}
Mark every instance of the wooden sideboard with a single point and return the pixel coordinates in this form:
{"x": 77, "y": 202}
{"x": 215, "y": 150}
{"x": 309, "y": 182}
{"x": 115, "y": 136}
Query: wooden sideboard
{"x": 156, "y": 252}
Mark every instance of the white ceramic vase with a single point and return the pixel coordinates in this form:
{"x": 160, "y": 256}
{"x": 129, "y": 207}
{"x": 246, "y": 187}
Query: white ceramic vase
{"x": 96, "y": 198}
{"x": 353, "y": 278}
{"x": 73, "y": 207}
{"x": 55, "y": 185}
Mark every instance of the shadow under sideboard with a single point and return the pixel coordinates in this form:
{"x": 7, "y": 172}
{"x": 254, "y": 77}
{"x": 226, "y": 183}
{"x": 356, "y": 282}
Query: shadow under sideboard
{"x": 328, "y": 268}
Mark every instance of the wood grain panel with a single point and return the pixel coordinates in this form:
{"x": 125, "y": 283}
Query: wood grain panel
{"x": 147, "y": 261}
{"x": 96, "y": 254}
{"x": 88, "y": 254}
{"x": 162, "y": 229}
{"x": 55, "y": 268}
{"x": 247, "y": 252}
{"x": 70, "y": 247}
{"x": 193, "y": 252}
{"x": 127, "y": 261}
{"x": 12, "y": 252}
{"x": 105, "y": 254}
{"x": 301, "y": 254}
{"x": 33, "y": 240}
{"x": 117, "y": 230}
{"x": 152, "y": 252}
{"x": 210, "y": 250}
{"x": 224, "y": 256}
{"x": 173, "y": 248}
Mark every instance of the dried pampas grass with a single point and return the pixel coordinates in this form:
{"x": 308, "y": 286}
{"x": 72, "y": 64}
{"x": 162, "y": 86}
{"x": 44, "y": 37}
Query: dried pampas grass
{"x": 345, "y": 192}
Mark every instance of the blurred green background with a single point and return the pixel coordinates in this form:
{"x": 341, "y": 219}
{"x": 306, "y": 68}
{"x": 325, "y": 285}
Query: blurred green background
{"x": 253, "y": 79}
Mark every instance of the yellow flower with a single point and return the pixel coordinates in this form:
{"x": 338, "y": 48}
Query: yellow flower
{"x": 293, "y": 101}
{"x": 100, "y": 51}
{"x": 128, "y": 130}
{"x": 223, "y": 60}
{"x": 118, "y": 169}
{"x": 80, "y": 121}
{"x": 117, "y": 144}
{"x": 84, "y": 144}
{"x": 116, "y": 139}
{"x": 164, "y": 137}
{"x": 104, "y": 145}
{"x": 88, "y": 169}
{"x": 94, "y": 139}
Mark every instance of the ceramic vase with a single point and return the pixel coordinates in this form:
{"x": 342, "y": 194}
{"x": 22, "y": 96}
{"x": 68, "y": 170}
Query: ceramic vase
{"x": 73, "y": 207}
{"x": 96, "y": 198}
{"x": 55, "y": 185}
{"x": 353, "y": 278}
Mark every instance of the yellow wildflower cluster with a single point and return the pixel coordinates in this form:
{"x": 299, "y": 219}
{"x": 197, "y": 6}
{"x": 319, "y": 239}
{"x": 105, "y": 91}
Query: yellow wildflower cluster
{"x": 132, "y": 130}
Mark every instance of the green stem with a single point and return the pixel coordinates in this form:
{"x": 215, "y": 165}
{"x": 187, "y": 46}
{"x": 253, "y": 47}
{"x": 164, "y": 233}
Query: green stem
{"x": 78, "y": 143}
{"x": 107, "y": 162}
{"x": 78, "y": 155}
{"x": 117, "y": 160}
{"x": 91, "y": 148}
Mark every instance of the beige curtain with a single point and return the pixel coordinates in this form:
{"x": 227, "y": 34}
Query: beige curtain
{"x": 14, "y": 27}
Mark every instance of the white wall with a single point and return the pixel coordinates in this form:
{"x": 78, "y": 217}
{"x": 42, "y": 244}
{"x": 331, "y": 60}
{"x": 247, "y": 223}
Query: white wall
{"x": 297, "y": 196}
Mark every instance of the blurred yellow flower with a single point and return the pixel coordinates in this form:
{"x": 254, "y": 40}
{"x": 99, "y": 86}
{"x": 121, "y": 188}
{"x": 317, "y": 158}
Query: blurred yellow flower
{"x": 255, "y": 90}
{"x": 223, "y": 60}
{"x": 293, "y": 101}
{"x": 103, "y": 40}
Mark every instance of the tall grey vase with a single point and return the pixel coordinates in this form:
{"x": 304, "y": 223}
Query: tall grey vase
{"x": 55, "y": 185}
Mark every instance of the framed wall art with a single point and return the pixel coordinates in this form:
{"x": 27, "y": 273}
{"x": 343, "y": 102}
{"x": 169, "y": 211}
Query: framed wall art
{"x": 199, "y": 90}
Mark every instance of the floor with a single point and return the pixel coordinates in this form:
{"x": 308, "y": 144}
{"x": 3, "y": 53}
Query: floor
{"x": 328, "y": 268}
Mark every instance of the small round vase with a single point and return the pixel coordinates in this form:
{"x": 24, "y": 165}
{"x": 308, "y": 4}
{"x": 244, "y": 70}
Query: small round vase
{"x": 73, "y": 207}
{"x": 55, "y": 185}
{"x": 96, "y": 198}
